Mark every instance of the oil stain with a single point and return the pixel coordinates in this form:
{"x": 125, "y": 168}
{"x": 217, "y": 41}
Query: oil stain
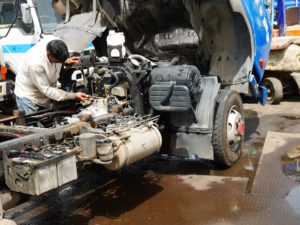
{"x": 182, "y": 200}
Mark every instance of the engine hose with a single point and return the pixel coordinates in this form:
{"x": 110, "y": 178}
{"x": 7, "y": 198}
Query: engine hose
{"x": 115, "y": 83}
{"x": 141, "y": 58}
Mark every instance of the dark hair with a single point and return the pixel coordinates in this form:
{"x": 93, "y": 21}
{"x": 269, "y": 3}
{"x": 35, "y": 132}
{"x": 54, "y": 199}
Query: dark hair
{"x": 58, "y": 49}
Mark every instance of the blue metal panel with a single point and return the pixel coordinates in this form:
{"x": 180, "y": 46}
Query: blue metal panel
{"x": 261, "y": 25}
{"x": 17, "y": 48}
{"x": 288, "y": 3}
{"x": 281, "y": 17}
{"x": 280, "y": 6}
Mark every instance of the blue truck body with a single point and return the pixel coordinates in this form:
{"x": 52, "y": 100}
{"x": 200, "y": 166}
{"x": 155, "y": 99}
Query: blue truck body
{"x": 261, "y": 24}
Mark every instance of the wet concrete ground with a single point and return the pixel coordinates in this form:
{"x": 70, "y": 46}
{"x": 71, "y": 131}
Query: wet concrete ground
{"x": 170, "y": 191}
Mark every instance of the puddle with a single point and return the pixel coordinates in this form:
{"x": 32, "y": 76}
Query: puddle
{"x": 292, "y": 169}
{"x": 291, "y": 163}
{"x": 247, "y": 164}
{"x": 293, "y": 199}
{"x": 183, "y": 199}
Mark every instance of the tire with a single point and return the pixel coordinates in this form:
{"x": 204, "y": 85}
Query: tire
{"x": 275, "y": 90}
{"x": 228, "y": 131}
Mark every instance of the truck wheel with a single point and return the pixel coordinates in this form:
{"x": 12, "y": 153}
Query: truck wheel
{"x": 229, "y": 127}
{"x": 274, "y": 88}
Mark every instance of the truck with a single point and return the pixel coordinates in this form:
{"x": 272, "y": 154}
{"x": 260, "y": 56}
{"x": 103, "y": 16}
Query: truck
{"x": 22, "y": 24}
{"x": 166, "y": 75}
{"x": 282, "y": 71}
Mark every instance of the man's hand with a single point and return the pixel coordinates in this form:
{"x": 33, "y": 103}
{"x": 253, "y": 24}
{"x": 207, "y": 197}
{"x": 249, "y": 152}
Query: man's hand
{"x": 72, "y": 60}
{"x": 79, "y": 96}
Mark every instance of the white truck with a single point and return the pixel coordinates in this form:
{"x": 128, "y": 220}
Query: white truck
{"x": 22, "y": 24}
{"x": 4, "y": 84}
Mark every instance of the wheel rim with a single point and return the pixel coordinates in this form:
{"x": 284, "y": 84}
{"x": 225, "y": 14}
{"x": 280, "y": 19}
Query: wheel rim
{"x": 235, "y": 128}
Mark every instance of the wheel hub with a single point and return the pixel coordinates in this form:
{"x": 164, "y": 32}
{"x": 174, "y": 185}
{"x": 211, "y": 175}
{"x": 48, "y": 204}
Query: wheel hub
{"x": 235, "y": 128}
{"x": 241, "y": 128}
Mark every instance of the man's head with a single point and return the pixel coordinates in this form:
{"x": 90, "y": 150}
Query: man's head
{"x": 57, "y": 51}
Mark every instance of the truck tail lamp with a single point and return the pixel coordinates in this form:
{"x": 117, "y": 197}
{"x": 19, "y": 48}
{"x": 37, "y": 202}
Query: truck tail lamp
{"x": 3, "y": 72}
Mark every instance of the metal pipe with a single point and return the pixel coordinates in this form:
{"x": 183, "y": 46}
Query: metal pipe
{"x": 51, "y": 114}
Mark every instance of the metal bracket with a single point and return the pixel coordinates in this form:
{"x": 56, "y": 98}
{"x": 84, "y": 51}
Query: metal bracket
{"x": 206, "y": 105}
{"x": 94, "y": 12}
{"x": 67, "y": 18}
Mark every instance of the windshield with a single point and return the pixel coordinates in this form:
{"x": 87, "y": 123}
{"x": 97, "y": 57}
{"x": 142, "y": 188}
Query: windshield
{"x": 7, "y": 12}
{"x": 48, "y": 17}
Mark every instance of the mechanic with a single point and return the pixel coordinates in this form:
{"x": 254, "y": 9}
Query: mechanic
{"x": 36, "y": 83}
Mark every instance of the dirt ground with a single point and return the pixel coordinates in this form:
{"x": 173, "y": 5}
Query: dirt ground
{"x": 166, "y": 191}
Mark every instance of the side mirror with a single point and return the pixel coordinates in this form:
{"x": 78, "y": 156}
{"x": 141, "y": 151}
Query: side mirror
{"x": 26, "y": 15}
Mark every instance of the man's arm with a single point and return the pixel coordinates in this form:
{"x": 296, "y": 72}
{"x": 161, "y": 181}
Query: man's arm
{"x": 72, "y": 60}
{"x": 40, "y": 80}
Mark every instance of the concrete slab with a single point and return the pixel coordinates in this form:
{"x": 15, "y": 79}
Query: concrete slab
{"x": 7, "y": 222}
{"x": 270, "y": 179}
{"x": 160, "y": 200}
{"x": 144, "y": 196}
